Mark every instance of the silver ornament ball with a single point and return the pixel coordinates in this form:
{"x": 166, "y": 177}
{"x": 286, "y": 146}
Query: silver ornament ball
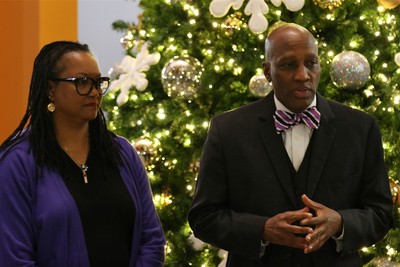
{"x": 350, "y": 70}
{"x": 259, "y": 86}
{"x": 397, "y": 59}
{"x": 181, "y": 77}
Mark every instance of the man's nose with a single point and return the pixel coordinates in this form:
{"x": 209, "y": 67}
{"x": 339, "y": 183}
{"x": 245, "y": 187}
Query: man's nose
{"x": 302, "y": 73}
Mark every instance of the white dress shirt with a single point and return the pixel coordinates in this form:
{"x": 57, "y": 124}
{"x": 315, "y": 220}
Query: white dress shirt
{"x": 296, "y": 138}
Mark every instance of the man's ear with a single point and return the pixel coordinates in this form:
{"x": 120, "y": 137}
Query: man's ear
{"x": 267, "y": 71}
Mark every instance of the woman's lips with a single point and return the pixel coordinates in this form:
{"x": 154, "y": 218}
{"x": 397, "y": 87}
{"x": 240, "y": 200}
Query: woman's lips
{"x": 91, "y": 105}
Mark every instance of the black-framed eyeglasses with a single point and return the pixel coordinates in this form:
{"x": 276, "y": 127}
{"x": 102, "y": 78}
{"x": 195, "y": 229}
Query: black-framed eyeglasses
{"x": 85, "y": 85}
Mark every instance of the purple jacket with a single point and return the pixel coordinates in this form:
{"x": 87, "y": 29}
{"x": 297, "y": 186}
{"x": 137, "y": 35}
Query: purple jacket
{"x": 40, "y": 224}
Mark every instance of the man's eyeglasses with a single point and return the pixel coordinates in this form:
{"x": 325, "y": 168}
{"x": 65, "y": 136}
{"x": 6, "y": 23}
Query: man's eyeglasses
{"x": 85, "y": 85}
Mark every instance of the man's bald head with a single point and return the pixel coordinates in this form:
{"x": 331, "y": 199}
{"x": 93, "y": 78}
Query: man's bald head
{"x": 284, "y": 31}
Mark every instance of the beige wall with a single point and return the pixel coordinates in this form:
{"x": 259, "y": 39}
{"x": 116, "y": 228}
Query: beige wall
{"x": 26, "y": 26}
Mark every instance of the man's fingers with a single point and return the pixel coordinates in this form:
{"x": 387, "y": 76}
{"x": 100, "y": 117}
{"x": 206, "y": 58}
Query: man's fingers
{"x": 300, "y": 230}
{"x": 315, "y": 241}
{"x": 294, "y": 216}
{"x": 308, "y": 202}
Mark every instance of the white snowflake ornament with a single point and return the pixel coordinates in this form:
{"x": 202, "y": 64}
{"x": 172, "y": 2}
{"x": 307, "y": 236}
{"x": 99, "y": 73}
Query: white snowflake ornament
{"x": 196, "y": 243}
{"x": 132, "y": 73}
{"x": 256, "y": 9}
{"x": 291, "y": 5}
{"x": 224, "y": 255}
{"x": 219, "y": 8}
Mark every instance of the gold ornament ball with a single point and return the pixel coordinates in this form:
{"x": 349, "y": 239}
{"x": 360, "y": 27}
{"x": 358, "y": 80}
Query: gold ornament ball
{"x": 232, "y": 23}
{"x": 145, "y": 149}
{"x": 395, "y": 190}
{"x": 330, "y": 4}
{"x": 389, "y": 4}
{"x": 127, "y": 40}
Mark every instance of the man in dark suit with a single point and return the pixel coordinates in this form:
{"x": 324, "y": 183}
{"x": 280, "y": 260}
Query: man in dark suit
{"x": 308, "y": 194}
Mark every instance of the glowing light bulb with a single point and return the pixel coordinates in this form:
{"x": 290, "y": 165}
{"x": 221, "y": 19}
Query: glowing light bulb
{"x": 190, "y": 127}
{"x": 353, "y": 44}
{"x": 187, "y": 142}
{"x": 172, "y": 47}
{"x": 161, "y": 114}
{"x": 396, "y": 99}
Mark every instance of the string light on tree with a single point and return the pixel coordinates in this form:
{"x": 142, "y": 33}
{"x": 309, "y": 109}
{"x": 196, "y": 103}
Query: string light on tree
{"x": 163, "y": 199}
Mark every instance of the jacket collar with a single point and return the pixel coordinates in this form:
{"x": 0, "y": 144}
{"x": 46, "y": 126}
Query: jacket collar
{"x": 322, "y": 140}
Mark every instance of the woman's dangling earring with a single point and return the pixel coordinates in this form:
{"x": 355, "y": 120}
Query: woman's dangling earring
{"x": 51, "y": 107}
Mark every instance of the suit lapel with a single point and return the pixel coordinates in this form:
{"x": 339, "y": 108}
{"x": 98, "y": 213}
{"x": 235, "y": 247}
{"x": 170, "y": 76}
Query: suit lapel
{"x": 273, "y": 144}
{"x": 322, "y": 141}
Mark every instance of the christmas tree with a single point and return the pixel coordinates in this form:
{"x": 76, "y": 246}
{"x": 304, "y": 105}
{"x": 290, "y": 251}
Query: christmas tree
{"x": 190, "y": 60}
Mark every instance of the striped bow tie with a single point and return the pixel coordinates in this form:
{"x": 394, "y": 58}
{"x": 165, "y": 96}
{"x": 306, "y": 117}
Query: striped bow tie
{"x": 284, "y": 120}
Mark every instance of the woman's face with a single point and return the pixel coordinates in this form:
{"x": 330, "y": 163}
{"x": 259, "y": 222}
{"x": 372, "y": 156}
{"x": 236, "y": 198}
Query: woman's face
{"x": 72, "y": 107}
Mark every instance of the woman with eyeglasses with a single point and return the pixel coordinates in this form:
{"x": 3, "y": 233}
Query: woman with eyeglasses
{"x": 72, "y": 193}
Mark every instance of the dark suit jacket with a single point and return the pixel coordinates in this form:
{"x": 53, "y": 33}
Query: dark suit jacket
{"x": 245, "y": 178}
